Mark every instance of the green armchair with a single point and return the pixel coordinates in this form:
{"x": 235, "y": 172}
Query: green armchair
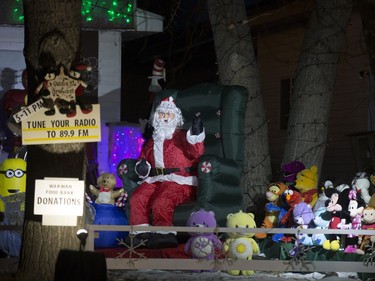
{"x": 222, "y": 110}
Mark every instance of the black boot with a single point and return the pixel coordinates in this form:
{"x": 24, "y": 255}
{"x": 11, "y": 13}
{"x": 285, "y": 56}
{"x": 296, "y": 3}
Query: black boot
{"x": 159, "y": 241}
{"x": 140, "y": 240}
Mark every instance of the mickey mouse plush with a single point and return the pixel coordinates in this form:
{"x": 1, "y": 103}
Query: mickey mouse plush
{"x": 337, "y": 204}
{"x": 355, "y": 209}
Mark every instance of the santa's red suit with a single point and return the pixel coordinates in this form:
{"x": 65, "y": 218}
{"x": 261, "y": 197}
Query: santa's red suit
{"x": 164, "y": 189}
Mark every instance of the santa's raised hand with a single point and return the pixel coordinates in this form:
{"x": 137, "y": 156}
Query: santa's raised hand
{"x": 197, "y": 125}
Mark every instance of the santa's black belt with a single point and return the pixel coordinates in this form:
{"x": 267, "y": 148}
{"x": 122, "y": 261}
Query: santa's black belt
{"x": 167, "y": 171}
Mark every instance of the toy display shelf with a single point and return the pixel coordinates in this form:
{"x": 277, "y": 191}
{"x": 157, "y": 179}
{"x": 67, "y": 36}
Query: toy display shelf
{"x": 313, "y": 260}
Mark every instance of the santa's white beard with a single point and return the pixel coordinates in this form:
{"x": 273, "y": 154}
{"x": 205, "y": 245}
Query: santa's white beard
{"x": 163, "y": 130}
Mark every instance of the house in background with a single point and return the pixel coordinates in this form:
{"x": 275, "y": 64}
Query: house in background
{"x": 124, "y": 61}
{"x": 277, "y": 37}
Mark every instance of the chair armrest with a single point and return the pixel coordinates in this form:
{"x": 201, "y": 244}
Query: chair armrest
{"x": 126, "y": 172}
{"x": 219, "y": 186}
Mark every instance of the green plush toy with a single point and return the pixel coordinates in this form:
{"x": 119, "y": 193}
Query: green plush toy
{"x": 241, "y": 245}
{"x": 307, "y": 185}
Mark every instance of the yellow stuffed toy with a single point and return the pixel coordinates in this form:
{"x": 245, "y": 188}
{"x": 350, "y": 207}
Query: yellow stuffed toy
{"x": 12, "y": 182}
{"x": 241, "y": 245}
{"x": 307, "y": 185}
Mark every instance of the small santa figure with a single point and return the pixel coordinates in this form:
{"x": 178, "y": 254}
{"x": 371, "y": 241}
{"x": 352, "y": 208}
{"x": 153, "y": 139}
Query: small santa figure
{"x": 168, "y": 166}
{"x": 158, "y": 73}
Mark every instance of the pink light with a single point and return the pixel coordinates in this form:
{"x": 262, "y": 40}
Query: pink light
{"x": 125, "y": 142}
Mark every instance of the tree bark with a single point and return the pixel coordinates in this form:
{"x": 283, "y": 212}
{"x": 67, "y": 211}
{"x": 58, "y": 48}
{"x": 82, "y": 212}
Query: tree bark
{"x": 367, "y": 9}
{"x": 306, "y": 138}
{"x": 52, "y": 38}
{"x": 238, "y": 66}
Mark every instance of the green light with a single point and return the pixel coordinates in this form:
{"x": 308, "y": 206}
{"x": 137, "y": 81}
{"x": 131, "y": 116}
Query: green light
{"x": 114, "y": 10}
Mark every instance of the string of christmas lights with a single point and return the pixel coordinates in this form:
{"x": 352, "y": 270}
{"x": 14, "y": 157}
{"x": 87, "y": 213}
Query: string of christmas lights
{"x": 120, "y": 12}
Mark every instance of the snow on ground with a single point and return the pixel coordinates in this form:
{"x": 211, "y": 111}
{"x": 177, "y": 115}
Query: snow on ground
{"x": 161, "y": 275}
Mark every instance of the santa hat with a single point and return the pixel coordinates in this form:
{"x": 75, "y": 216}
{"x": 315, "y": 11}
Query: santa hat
{"x": 167, "y": 104}
{"x": 158, "y": 71}
{"x": 77, "y": 70}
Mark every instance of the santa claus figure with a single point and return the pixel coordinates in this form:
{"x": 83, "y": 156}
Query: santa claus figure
{"x": 168, "y": 166}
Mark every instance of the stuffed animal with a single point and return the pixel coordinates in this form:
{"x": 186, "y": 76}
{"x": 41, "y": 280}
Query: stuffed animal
{"x": 355, "y": 208}
{"x": 292, "y": 198}
{"x": 361, "y": 185}
{"x": 49, "y": 95}
{"x": 302, "y": 214}
{"x": 12, "y": 203}
{"x": 202, "y": 245}
{"x": 275, "y": 209}
{"x": 106, "y": 193}
{"x": 367, "y": 242}
{"x": 321, "y": 220}
{"x": 307, "y": 185}
{"x": 241, "y": 245}
{"x": 322, "y": 196}
{"x": 290, "y": 171}
{"x": 371, "y": 202}
{"x": 76, "y": 73}
{"x": 337, "y": 204}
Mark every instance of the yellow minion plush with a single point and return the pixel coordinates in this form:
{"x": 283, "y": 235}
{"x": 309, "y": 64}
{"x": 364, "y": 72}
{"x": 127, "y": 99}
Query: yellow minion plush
{"x": 12, "y": 178}
{"x": 307, "y": 185}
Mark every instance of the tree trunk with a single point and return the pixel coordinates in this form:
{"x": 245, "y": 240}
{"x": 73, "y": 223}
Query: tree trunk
{"x": 306, "y": 138}
{"x": 367, "y": 9}
{"x": 238, "y": 66}
{"x": 52, "y": 38}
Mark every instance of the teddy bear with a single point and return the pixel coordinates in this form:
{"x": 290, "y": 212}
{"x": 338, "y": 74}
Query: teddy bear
{"x": 307, "y": 185}
{"x": 202, "y": 245}
{"x": 361, "y": 184}
{"x": 275, "y": 209}
{"x": 76, "y": 73}
{"x": 240, "y": 245}
{"x": 106, "y": 193}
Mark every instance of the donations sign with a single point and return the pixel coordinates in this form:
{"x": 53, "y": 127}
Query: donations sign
{"x": 59, "y": 197}
{"x": 42, "y": 129}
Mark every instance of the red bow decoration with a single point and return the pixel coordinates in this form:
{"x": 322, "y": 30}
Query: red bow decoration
{"x": 104, "y": 189}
